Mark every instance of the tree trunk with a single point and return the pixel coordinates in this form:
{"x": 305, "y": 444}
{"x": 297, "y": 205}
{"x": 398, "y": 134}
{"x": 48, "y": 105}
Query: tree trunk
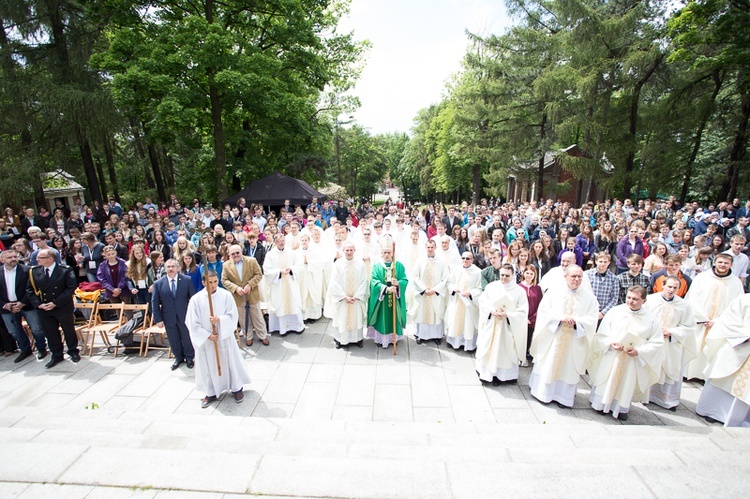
{"x": 88, "y": 166}
{"x": 153, "y": 157}
{"x": 102, "y": 179}
{"x": 141, "y": 152}
{"x": 213, "y": 94}
{"x": 739, "y": 147}
{"x": 633, "y": 128}
{"x": 476, "y": 184}
{"x": 109, "y": 157}
{"x": 718, "y": 81}
{"x": 539, "y": 194}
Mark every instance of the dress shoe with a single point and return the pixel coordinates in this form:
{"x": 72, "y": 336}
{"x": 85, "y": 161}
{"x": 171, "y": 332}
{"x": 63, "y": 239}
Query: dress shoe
{"x": 265, "y": 342}
{"x": 177, "y": 363}
{"x": 53, "y": 362}
{"x": 23, "y": 356}
{"x": 238, "y": 396}
{"x": 361, "y": 343}
{"x": 190, "y": 363}
{"x": 207, "y": 400}
{"x": 42, "y": 354}
{"x": 338, "y": 344}
{"x": 623, "y": 416}
{"x": 75, "y": 357}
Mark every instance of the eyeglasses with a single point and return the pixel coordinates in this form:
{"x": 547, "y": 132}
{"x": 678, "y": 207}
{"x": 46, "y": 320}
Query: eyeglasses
{"x": 235, "y": 253}
{"x": 466, "y": 258}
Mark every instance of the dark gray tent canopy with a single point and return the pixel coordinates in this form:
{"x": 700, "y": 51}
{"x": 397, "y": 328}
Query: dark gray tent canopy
{"x": 274, "y": 189}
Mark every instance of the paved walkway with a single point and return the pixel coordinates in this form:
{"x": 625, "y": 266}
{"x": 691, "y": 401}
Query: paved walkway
{"x": 317, "y": 421}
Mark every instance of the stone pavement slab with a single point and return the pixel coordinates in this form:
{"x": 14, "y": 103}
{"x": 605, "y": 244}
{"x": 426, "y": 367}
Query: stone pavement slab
{"x": 321, "y": 421}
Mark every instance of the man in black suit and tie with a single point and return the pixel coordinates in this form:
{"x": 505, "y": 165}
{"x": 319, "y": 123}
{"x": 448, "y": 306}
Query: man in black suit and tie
{"x": 451, "y": 220}
{"x": 169, "y": 302}
{"x": 50, "y": 291}
{"x": 14, "y": 305}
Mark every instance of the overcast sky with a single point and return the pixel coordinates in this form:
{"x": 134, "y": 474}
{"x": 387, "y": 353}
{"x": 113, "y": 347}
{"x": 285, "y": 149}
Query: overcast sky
{"x": 417, "y": 45}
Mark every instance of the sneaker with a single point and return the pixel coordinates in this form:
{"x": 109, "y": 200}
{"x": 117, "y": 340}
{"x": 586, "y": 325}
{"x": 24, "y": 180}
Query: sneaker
{"x": 524, "y": 363}
{"x": 208, "y": 401}
{"x": 238, "y": 396}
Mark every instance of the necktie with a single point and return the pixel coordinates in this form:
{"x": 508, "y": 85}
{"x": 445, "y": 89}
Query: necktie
{"x": 173, "y": 285}
{"x": 47, "y": 271}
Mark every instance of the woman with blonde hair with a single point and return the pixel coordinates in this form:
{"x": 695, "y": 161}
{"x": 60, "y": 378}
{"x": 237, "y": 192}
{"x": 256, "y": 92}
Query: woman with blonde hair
{"x": 137, "y": 274}
{"x": 182, "y": 246}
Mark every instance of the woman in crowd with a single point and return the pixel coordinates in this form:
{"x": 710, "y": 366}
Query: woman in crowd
{"x": 74, "y": 260}
{"x": 534, "y": 296}
{"x": 190, "y": 268}
{"x": 156, "y": 270}
{"x": 585, "y": 242}
{"x": 522, "y": 263}
{"x": 159, "y": 243}
{"x": 655, "y": 261}
{"x": 138, "y": 274}
{"x": 23, "y": 247}
{"x": 538, "y": 258}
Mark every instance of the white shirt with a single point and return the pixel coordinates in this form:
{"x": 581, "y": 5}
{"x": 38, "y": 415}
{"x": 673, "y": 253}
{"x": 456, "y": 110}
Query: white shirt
{"x": 10, "y": 283}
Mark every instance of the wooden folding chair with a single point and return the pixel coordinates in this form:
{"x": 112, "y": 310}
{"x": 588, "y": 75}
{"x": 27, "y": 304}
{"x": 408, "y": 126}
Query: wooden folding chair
{"x": 82, "y": 328}
{"x": 131, "y": 310}
{"x": 27, "y": 331}
{"x": 104, "y": 328}
{"x": 150, "y": 331}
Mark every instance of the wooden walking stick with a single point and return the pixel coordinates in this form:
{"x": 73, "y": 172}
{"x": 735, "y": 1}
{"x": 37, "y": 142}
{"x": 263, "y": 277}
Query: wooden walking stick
{"x": 213, "y": 326}
{"x": 395, "y": 301}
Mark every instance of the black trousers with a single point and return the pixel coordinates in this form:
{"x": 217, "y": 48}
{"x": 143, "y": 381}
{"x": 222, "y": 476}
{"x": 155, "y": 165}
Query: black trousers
{"x": 179, "y": 341}
{"x": 59, "y": 318}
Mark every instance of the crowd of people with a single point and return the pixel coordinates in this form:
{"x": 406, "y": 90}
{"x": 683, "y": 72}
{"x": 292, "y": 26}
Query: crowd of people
{"x": 639, "y": 296}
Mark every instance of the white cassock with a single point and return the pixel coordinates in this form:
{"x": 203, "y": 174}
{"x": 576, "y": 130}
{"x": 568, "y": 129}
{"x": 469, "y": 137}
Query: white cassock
{"x": 450, "y": 256}
{"x": 292, "y": 242}
{"x": 556, "y": 277}
{"x": 349, "y": 278}
{"x": 726, "y": 395}
{"x": 501, "y": 343}
{"x": 708, "y": 296}
{"x": 676, "y": 317}
{"x": 370, "y": 253}
{"x": 561, "y": 352}
{"x": 284, "y": 301}
{"x": 428, "y": 311}
{"x": 310, "y": 281}
{"x": 233, "y": 372}
{"x": 452, "y": 245}
{"x": 616, "y": 378}
{"x": 322, "y": 248}
{"x": 462, "y": 312}
{"x": 409, "y": 254}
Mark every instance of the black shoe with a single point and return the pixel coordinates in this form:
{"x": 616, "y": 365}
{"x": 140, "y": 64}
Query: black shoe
{"x": 562, "y": 406}
{"x": 23, "y": 356}
{"x": 338, "y": 344}
{"x": 298, "y": 332}
{"x": 623, "y": 416}
{"x": 496, "y": 382}
{"x": 438, "y": 341}
{"x": 238, "y": 396}
{"x": 178, "y": 363}
{"x": 673, "y": 409}
{"x": 53, "y": 362}
{"x": 207, "y": 400}
{"x": 42, "y": 354}
{"x": 709, "y": 419}
{"x": 190, "y": 363}
{"x": 418, "y": 340}
{"x": 361, "y": 343}
{"x": 75, "y": 357}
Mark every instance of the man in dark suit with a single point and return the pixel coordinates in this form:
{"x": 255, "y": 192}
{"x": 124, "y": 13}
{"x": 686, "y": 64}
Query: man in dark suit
{"x": 14, "y": 305}
{"x": 169, "y": 302}
{"x": 50, "y": 291}
{"x": 451, "y": 220}
{"x": 32, "y": 220}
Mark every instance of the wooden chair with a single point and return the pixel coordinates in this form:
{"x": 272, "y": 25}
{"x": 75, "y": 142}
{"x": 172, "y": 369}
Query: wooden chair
{"x": 27, "y": 331}
{"x": 82, "y": 328}
{"x": 100, "y": 327}
{"x": 128, "y": 311}
{"x": 148, "y": 332}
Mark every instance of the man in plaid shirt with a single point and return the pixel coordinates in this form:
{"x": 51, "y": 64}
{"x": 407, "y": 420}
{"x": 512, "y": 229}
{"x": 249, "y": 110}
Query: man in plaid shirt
{"x": 634, "y": 277}
{"x": 604, "y": 283}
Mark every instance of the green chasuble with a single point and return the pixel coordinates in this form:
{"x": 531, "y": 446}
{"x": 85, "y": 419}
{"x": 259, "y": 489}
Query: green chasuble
{"x": 380, "y": 310}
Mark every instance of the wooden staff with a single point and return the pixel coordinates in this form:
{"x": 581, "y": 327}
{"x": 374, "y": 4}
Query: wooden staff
{"x": 213, "y": 326}
{"x": 395, "y": 301}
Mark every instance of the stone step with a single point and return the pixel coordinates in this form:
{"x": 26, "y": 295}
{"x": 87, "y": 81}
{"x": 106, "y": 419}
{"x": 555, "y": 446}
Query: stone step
{"x": 291, "y": 457}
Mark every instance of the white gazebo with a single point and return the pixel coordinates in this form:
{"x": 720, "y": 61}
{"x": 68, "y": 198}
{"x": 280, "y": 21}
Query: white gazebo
{"x": 61, "y": 185}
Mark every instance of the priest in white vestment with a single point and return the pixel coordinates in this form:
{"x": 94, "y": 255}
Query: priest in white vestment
{"x": 709, "y": 294}
{"x": 556, "y": 275}
{"x": 726, "y": 395}
{"x": 346, "y": 300}
{"x": 680, "y": 344}
{"x": 503, "y": 321}
{"x": 428, "y": 284}
{"x": 281, "y": 270}
{"x": 310, "y": 280}
{"x": 627, "y": 352}
{"x": 199, "y": 322}
{"x": 462, "y": 313}
{"x": 319, "y": 246}
{"x": 367, "y": 249}
{"x": 565, "y": 327}
{"x": 449, "y": 254}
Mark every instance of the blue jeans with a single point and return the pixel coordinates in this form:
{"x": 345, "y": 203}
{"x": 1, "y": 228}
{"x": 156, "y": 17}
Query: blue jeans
{"x": 13, "y": 323}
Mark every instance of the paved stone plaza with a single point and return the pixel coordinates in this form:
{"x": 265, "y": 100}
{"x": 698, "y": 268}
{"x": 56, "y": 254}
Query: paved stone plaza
{"x": 321, "y": 422}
